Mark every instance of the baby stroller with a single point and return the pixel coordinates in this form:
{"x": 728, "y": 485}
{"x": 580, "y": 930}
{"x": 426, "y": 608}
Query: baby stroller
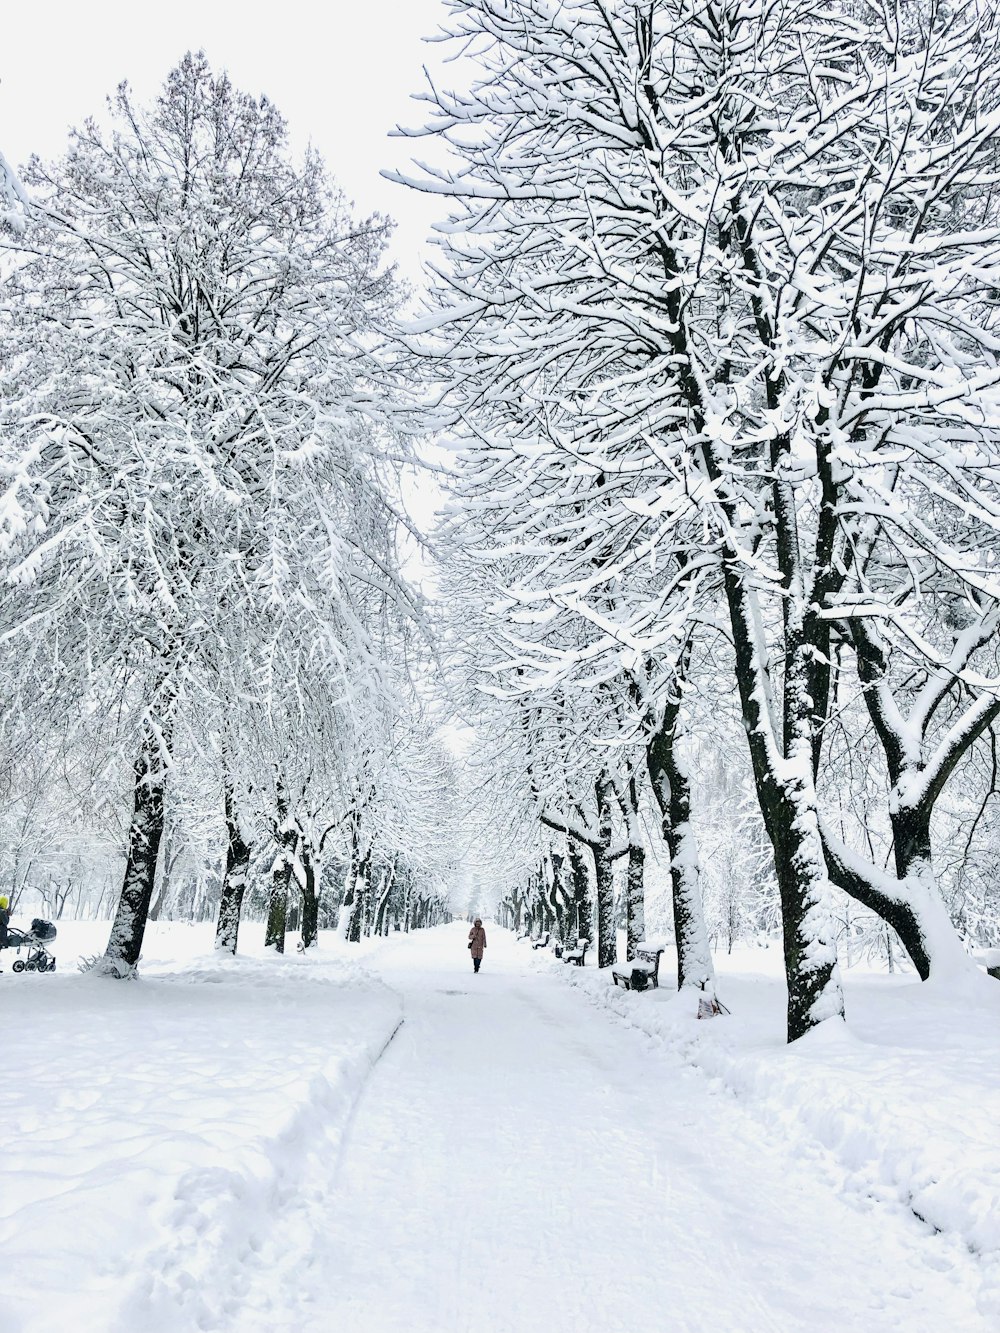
{"x": 34, "y": 940}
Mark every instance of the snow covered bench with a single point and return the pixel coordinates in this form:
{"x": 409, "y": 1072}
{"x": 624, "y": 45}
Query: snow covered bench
{"x": 577, "y": 952}
{"x": 543, "y": 941}
{"x": 642, "y": 971}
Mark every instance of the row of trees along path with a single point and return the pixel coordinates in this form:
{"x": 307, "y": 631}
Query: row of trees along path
{"x": 713, "y": 330}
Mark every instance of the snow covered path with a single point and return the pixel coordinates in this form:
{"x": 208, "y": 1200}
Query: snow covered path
{"x": 521, "y": 1161}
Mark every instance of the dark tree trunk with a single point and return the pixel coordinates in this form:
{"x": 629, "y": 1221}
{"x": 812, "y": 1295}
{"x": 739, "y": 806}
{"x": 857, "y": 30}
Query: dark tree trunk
{"x": 277, "y": 907}
{"x": 564, "y": 918}
{"x": 281, "y": 875}
{"x": 547, "y": 900}
{"x": 362, "y": 890}
{"x": 913, "y": 906}
{"x": 145, "y": 834}
{"x": 349, "y": 905}
{"x": 635, "y": 902}
{"x": 163, "y": 890}
{"x": 912, "y": 844}
{"x": 420, "y": 913}
{"x": 582, "y": 902}
{"x": 407, "y": 902}
{"x": 234, "y": 881}
{"x": 788, "y": 805}
{"x": 604, "y": 877}
{"x": 294, "y": 908}
{"x": 310, "y": 899}
{"x": 381, "y": 926}
{"x": 672, "y": 791}
{"x": 518, "y": 900}
{"x": 635, "y": 893}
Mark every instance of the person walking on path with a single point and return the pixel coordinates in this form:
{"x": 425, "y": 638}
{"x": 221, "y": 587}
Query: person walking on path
{"x": 477, "y": 943}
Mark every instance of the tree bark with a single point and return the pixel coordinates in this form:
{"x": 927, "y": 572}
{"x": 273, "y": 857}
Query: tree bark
{"x": 607, "y": 948}
{"x": 310, "y": 898}
{"x": 672, "y": 791}
{"x": 234, "y": 881}
{"x": 349, "y": 904}
{"x": 635, "y": 899}
{"x": 912, "y": 904}
{"x": 582, "y": 903}
{"x": 787, "y": 795}
{"x": 560, "y": 898}
{"x": 281, "y": 874}
{"x": 145, "y": 834}
{"x": 362, "y": 890}
{"x": 385, "y": 892}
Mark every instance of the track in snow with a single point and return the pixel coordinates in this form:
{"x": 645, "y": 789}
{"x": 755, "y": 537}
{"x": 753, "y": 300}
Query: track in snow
{"x": 520, "y": 1161}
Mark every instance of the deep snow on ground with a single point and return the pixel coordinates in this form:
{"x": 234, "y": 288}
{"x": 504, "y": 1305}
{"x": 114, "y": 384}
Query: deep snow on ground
{"x": 256, "y": 1144}
{"x": 901, "y": 1105}
{"x": 151, "y": 1128}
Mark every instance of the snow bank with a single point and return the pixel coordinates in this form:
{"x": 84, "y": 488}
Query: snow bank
{"x": 902, "y": 1105}
{"x": 153, "y": 1129}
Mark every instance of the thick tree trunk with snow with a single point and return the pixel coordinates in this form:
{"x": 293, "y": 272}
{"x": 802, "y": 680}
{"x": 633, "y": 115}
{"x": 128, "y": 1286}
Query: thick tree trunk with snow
{"x": 560, "y": 898}
{"x": 349, "y": 902}
{"x": 926, "y": 929}
{"x": 582, "y": 902}
{"x": 286, "y": 836}
{"x": 145, "y": 834}
{"x": 672, "y": 791}
{"x": 546, "y": 893}
{"x": 359, "y": 905}
{"x": 787, "y": 794}
{"x": 635, "y": 901}
{"x": 234, "y": 880}
{"x": 912, "y": 903}
{"x": 635, "y": 893}
{"x": 604, "y": 878}
{"x": 310, "y": 898}
{"x": 277, "y": 906}
{"x": 381, "y": 925}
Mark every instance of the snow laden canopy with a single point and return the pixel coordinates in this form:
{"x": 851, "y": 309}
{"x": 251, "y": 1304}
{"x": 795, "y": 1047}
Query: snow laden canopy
{"x": 199, "y": 522}
{"x": 715, "y": 320}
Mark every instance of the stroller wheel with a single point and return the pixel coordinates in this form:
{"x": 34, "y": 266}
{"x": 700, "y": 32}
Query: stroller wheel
{"x": 18, "y": 966}
{"x": 29, "y": 966}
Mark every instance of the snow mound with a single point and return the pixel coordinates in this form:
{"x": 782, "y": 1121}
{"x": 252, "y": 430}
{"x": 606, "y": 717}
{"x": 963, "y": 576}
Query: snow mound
{"x": 900, "y": 1106}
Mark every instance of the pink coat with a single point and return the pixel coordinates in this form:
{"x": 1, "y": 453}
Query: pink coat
{"x": 478, "y": 937}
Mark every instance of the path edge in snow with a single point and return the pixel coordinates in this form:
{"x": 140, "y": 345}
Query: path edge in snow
{"x": 856, "y": 1142}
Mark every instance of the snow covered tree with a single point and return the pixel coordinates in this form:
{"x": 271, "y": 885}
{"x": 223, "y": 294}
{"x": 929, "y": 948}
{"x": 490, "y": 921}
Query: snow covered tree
{"x": 191, "y": 406}
{"x": 733, "y": 263}
{"x": 13, "y": 200}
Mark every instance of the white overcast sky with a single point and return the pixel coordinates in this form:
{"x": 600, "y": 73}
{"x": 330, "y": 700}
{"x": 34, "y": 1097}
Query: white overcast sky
{"x": 341, "y": 73}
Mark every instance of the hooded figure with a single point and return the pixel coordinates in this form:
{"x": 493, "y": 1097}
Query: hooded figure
{"x": 5, "y": 920}
{"x": 477, "y": 943}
